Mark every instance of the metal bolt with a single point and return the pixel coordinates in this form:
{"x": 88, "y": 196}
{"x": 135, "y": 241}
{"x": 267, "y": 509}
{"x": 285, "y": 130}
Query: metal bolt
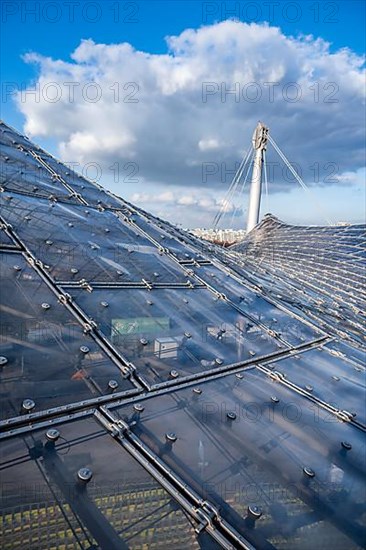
{"x": 84, "y": 349}
{"x": 45, "y": 305}
{"x": 308, "y": 471}
{"x": 171, "y": 437}
{"x": 17, "y": 268}
{"x": 28, "y": 405}
{"x": 218, "y": 361}
{"x": 104, "y": 304}
{"x": 74, "y": 270}
{"x": 3, "y": 360}
{"x": 275, "y": 399}
{"x": 188, "y": 335}
{"x": 254, "y": 512}
{"x": 231, "y": 415}
{"x": 52, "y": 434}
{"x": 198, "y": 391}
{"x": 143, "y": 341}
{"x": 85, "y": 475}
{"x": 347, "y": 446}
{"x": 138, "y": 407}
{"x": 113, "y": 385}
{"x": 174, "y": 373}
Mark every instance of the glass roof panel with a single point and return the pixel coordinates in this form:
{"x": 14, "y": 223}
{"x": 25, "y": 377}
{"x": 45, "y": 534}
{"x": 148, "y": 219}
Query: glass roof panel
{"x": 186, "y": 331}
{"x": 82, "y": 243}
{"x": 33, "y": 513}
{"x": 323, "y": 266}
{"x": 46, "y": 504}
{"x": 331, "y": 379}
{"x": 181, "y": 244}
{"x": 292, "y": 330}
{"x": 6, "y": 240}
{"x": 21, "y": 173}
{"x": 45, "y": 355}
{"x": 93, "y": 194}
{"x": 242, "y": 447}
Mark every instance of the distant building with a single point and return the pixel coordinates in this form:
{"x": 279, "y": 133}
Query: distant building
{"x": 224, "y": 237}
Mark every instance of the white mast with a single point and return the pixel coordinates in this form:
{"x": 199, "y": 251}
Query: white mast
{"x": 259, "y": 145}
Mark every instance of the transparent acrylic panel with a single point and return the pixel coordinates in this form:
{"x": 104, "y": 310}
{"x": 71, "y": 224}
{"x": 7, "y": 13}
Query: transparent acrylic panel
{"x": 353, "y": 354}
{"x": 327, "y": 260}
{"x": 330, "y": 308}
{"x": 187, "y": 331}
{"x": 45, "y": 355}
{"x": 179, "y": 243}
{"x": 91, "y": 193}
{"x": 5, "y": 240}
{"x": 290, "y": 328}
{"x": 245, "y": 442}
{"x": 82, "y": 243}
{"x": 121, "y": 507}
{"x": 10, "y": 136}
{"x": 331, "y": 379}
{"x": 280, "y": 274}
{"x": 21, "y": 173}
{"x": 33, "y": 513}
{"x": 48, "y": 179}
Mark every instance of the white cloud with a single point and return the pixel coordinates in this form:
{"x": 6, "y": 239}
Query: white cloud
{"x": 185, "y": 117}
{"x": 187, "y": 200}
{"x": 200, "y": 206}
{"x": 208, "y": 144}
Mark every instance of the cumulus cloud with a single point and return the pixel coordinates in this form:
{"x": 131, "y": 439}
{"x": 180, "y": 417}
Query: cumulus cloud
{"x": 186, "y": 117}
{"x": 208, "y": 144}
{"x": 201, "y": 200}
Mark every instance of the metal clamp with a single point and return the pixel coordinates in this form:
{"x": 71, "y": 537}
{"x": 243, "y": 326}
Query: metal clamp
{"x": 64, "y": 299}
{"x": 148, "y": 285}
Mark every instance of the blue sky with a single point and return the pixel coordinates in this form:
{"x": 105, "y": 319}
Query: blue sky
{"x": 55, "y": 29}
